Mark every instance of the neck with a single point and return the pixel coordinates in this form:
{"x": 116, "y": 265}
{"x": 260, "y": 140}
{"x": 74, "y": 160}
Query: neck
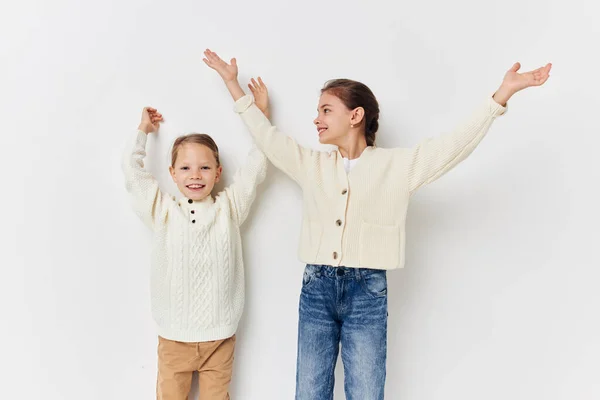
{"x": 353, "y": 147}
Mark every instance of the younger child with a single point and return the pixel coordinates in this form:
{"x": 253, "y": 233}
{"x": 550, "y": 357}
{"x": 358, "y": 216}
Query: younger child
{"x": 197, "y": 274}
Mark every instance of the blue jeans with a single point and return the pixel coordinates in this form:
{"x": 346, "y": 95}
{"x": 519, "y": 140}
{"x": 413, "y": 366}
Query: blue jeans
{"x": 347, "y": 305}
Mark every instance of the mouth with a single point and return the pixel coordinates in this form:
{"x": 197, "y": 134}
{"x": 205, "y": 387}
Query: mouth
{"x": 195, "y": 187}
{"x": 321, "y": 130}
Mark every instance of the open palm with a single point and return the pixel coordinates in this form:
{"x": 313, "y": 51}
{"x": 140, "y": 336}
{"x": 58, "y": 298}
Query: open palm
{"x": 519, "y": 81}
{"x": 228, "y": 72}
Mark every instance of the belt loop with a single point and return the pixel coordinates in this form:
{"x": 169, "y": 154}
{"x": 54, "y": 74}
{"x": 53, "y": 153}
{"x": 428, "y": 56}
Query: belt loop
{"x": 358, "y": 274}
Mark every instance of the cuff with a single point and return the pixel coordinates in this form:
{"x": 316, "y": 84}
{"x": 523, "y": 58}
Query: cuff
{"x": 243, "y": 104}
{"x": 495, "y": 108}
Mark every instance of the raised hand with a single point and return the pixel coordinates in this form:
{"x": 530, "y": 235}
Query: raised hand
{"x": 228, "y": 72}
{"x": 515, "y": 81}
{"x": 151, "y": 120}
{"x": 261, "y": 95}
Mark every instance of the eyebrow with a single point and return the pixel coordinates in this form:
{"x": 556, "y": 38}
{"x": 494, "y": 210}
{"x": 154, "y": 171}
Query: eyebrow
{"x": 202, "y": 163}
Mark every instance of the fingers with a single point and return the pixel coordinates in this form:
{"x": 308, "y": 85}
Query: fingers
{"x": 257, "y": 86}
{"x": 153, "y": 114}
{"x": 252, "y": 89}
{"x": 515, "y": 67}
{"x": 262, "y": 83}
{"x": 212, "y": 56}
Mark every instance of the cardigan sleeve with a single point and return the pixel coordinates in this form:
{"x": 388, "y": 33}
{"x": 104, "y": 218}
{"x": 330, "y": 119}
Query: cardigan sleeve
{"x": 433, "y": 157}
{"x": 283, "y": 151}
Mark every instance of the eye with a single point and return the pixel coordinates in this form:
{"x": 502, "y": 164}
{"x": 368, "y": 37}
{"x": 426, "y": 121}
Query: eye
{"x": 326, "y": 110}
{"x": 206, "y": 168}
{"x": 184, "y": 168}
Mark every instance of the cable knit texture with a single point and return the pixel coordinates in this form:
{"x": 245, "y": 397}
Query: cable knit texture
{"x": 197, "y": 275}
{"x": 358, "y": 218}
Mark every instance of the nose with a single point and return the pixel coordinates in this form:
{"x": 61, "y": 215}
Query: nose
{"x": 197, "y": 175}
{"x": 316, "y": 121}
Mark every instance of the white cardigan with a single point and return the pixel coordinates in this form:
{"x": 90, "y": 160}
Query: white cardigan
{"x": 358, "y": 218}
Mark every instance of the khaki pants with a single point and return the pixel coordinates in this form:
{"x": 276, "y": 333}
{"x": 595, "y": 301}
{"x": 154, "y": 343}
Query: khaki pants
{"x": 177, "y": 362}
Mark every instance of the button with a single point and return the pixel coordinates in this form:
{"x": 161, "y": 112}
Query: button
{"x": 340, "y": 272}
{"x": 338, "y": 222}
{"x": 193, "y": 221}
{"x": 190, "y": 201}
{"x": 193, "y": 212}
{"x": 344, "y": 191}
{"x": 335, "y": 255}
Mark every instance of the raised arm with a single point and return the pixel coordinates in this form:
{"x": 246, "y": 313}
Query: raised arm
{"x": 242, "y": 192}
{"x": 432, "y": 158}
{"x": 283, "y": 151}
{"x": 148, "y": 201}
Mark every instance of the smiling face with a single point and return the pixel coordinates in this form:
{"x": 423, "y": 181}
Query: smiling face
{"x": 195, "y": 170}
{"x": 333, "y": 120}
{"x": 347, "y": 110}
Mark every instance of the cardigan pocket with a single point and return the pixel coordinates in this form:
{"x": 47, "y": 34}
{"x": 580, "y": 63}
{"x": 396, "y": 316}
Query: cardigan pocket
{"x": 379, "y": 245}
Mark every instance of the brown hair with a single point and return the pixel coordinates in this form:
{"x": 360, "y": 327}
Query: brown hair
{"x": 355, "y": 94}
{"x": 198, "y": 138}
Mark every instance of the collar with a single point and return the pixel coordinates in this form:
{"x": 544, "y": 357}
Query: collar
{"x": 367, "y": 150}
{"x": 186, "y": 203}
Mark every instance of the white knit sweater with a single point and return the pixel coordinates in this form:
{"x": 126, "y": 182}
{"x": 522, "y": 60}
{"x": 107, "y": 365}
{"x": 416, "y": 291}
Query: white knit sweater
{"x": 358, "y": 218}
{"x": 197, "y": 274}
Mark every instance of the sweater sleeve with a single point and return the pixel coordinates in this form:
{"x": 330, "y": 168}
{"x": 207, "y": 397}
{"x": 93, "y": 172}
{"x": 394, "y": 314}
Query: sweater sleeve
{"x": 283, "y": 151}
{"x": 433, "y": 157}
{"x": 149, "y": 203}
{"x": 241, "y": 193}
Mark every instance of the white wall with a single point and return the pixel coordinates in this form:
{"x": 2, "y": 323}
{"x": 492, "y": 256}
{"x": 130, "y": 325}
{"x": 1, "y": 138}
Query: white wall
{"x": 498, "y": 299}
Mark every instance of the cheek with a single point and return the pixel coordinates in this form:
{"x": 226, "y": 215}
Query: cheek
{"x": 181, "y": 177}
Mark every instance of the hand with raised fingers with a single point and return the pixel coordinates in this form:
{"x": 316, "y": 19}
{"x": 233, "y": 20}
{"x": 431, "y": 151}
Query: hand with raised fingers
{"x": 151, "y": 120}
{"x": 261, "y": 95}
{"x": 228, "y": 72}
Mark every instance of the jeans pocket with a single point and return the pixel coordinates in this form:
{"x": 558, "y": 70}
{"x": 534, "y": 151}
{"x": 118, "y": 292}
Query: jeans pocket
{"x": 310, "y": 275}
{"x": 375, "y": 282}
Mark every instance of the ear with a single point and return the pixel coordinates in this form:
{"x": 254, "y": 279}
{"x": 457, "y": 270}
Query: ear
{"x": 172, "y": 172}
{"x": 357, "y": 115}
{"x": 219, "y": 171}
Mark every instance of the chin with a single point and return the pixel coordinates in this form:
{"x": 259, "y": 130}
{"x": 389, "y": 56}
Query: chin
{"x": 197, "y": 196}
{"x": 324, "y": 140}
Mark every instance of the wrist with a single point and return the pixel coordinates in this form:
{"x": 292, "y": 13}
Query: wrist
{"x": 235, "y": 89}
{"x": 146, "y": 128}
{"x": 266, "y": 112}
{"x": 503, "y": 94}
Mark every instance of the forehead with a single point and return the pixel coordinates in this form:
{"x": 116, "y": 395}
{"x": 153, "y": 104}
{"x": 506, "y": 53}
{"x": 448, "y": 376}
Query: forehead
{"x": 328, "y": 98}
{"x": 195, "y": 152}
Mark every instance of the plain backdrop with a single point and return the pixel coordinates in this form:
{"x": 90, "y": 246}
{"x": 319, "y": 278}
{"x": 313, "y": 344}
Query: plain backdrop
{"x": 499, "y": 296}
